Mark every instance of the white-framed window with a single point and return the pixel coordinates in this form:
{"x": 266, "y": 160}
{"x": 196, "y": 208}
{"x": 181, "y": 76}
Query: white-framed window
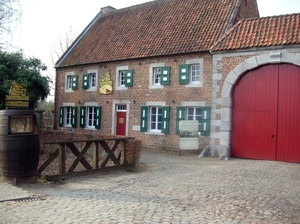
{"x": 155, "y": 119}
{"x": 191, "y": 73}
{"x": 194, "y": 111}
{"x": 193, "y": 114}
{"x": 90, "y": 80}
{"x": 71, "y": 81}
{"x": 195, "y": 73}
{"x": 154, "y": 76}
{"x": 90, "y": 116}
{"x": 93, "y": 79}
{"x": 120, "y": 77}
{"x": 68, "y": 116}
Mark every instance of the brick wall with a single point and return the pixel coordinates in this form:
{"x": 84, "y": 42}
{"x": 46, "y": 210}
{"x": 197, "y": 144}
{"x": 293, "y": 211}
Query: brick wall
{"x": 173, "y": 96}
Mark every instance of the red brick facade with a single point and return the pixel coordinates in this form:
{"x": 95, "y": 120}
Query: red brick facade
{"x": 173, "y": 95}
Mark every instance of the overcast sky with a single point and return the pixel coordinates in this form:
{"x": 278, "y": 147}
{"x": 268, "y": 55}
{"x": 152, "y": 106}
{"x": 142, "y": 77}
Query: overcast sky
{"x": 44, "y": 21}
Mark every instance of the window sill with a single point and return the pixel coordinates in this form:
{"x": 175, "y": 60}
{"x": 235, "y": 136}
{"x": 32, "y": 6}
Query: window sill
{"x": 91, "y": 89}
{"x": 193, "y": 85}
{"x": 121, "y": 88}
{"x": 153, "y": 133}
{"x": 156, "y": 87}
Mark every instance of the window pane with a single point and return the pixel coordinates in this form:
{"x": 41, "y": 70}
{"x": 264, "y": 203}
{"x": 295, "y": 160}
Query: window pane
{"x": 156, "y": 76}
{"x": 121, "y": 78}
{"x": 190, "y": 114}
{"x": 195, "y": 72}
{"x": 69, "y": 82}
{"x": 91, "y": 116}
{"x": 68, "y": 116}
{"x": 92, "y": 79}
{"x": 155, "y": 118}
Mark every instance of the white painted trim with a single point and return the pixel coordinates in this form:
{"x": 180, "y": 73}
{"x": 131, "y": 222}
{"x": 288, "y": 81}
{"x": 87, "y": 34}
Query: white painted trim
{"x": 154, "y": 65}
{"x": 119, "y": 68}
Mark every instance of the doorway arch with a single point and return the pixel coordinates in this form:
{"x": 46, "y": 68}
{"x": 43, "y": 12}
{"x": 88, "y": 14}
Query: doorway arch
{"x": 233, "y": 77}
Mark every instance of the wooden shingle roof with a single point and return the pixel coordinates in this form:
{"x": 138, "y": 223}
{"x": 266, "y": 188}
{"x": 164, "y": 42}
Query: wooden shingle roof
{"x": 157, "y": 28}
{"x": 261, "y": 32}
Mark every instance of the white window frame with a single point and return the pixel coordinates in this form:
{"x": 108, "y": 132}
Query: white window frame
{"x": 153, "y": 104}
{"x": 91, "y": 73}
{"x": 92, "y": 119}
{"x": 89, "y": 105}
{"x": 152, "y": 84}
{"x": 194, "y": 115}
{"x": 67, "y": 105}
{"x": 156, "y": 121}
{"x": 192, "y": 104}
{"x": 68, "y": 81}
{"x": 119, "y": 86}
{"x": 192, "y": 62}
{"x": 68, "y": 116}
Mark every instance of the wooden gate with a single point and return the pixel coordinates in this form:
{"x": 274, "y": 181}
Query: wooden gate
{"x": 265, "y": 120}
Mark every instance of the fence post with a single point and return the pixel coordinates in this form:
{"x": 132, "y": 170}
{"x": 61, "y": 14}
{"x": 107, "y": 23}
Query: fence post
{"x": 62, "y": 158}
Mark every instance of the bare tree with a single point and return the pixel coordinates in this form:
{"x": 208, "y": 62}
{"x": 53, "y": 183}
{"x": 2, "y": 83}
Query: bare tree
{"x": 62, "y": 44}
{"x": 10, "y": 12}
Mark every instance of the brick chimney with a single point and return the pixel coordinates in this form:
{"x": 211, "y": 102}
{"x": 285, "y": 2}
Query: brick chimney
{"x": 107, "y": 9}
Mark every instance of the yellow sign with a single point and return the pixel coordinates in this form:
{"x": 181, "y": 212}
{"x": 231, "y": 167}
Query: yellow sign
{"x": 17, "y": 104}
{"x": 121, "y": 120}
{"x": 17, "y": 96}
{"x": 106, "y": 84}
{"x": 26, "y": 98}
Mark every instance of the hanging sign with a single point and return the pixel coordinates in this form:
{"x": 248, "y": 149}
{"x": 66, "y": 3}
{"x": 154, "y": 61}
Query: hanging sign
{"x": 106, "y": 84}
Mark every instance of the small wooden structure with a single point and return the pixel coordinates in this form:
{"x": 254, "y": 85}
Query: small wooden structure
{"x": 115, "y": 154}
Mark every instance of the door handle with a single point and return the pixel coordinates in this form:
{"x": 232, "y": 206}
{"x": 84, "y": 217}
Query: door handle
{"x": 272, "y": 136}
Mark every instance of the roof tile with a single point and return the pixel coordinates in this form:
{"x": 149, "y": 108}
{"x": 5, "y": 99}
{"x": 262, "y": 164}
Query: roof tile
{"x": 261, "y": 32}
{"x": 161, "y": 27}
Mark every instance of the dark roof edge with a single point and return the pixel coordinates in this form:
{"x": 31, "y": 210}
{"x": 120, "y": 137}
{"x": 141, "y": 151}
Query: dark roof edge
{"x": 76, "y": 41}
{"x": 130, "y": 59}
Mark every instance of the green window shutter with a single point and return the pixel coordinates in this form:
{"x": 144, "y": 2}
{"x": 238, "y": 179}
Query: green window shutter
{"x": 74, "y": 82}
{"x": 180, "y": 111}
{"x": 165, "y": 75}
{"x": 61, "y": 116}
{"x": 205, "y": 121}
{"x": 82, "y": 116}
{"x": 165, "y": 120}
{"x": 184, "y": 74}
{"x": 85, "y": 81}
{"x": 129, "y": 78}
{"x": 144, "y": 119}
{"x": 98, "y": 117}
{"x": 74, "y": 117}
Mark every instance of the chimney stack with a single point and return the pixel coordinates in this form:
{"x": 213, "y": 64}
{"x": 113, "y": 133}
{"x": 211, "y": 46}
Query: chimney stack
{"x": 107, "y": 9}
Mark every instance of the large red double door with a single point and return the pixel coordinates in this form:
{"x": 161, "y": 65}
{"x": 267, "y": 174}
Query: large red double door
{"x": 266, "y": 114}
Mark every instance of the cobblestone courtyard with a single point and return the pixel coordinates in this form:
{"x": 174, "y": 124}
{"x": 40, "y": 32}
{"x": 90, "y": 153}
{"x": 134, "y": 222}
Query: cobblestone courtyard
{"x": 165, "y": 189}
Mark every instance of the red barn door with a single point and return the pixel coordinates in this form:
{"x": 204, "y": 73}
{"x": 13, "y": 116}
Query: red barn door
{"x": 264, "y": 113}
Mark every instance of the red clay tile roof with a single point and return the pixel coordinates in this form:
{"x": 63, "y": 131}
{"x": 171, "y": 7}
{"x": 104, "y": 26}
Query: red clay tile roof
{"x": 261, "y": 32}
{"x": 161, "y": 27}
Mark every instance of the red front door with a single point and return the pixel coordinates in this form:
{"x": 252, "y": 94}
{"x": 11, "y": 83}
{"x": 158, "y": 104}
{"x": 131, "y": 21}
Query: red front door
{"x": 265, "y": 124}
{"x": 121, "y": 123}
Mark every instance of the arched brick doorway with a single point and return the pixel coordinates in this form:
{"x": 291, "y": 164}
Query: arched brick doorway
{"x": 265, "y": 114}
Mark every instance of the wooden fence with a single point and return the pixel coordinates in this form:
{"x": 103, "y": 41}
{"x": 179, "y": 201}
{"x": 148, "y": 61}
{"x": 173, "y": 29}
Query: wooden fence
{"x": 115, "y": 156}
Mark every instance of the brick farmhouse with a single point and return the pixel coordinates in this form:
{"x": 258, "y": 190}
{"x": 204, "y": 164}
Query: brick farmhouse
{"x": 141, "y": 70}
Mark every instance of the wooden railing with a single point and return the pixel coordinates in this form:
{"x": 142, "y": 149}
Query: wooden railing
{"x": 115, "y": 149}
